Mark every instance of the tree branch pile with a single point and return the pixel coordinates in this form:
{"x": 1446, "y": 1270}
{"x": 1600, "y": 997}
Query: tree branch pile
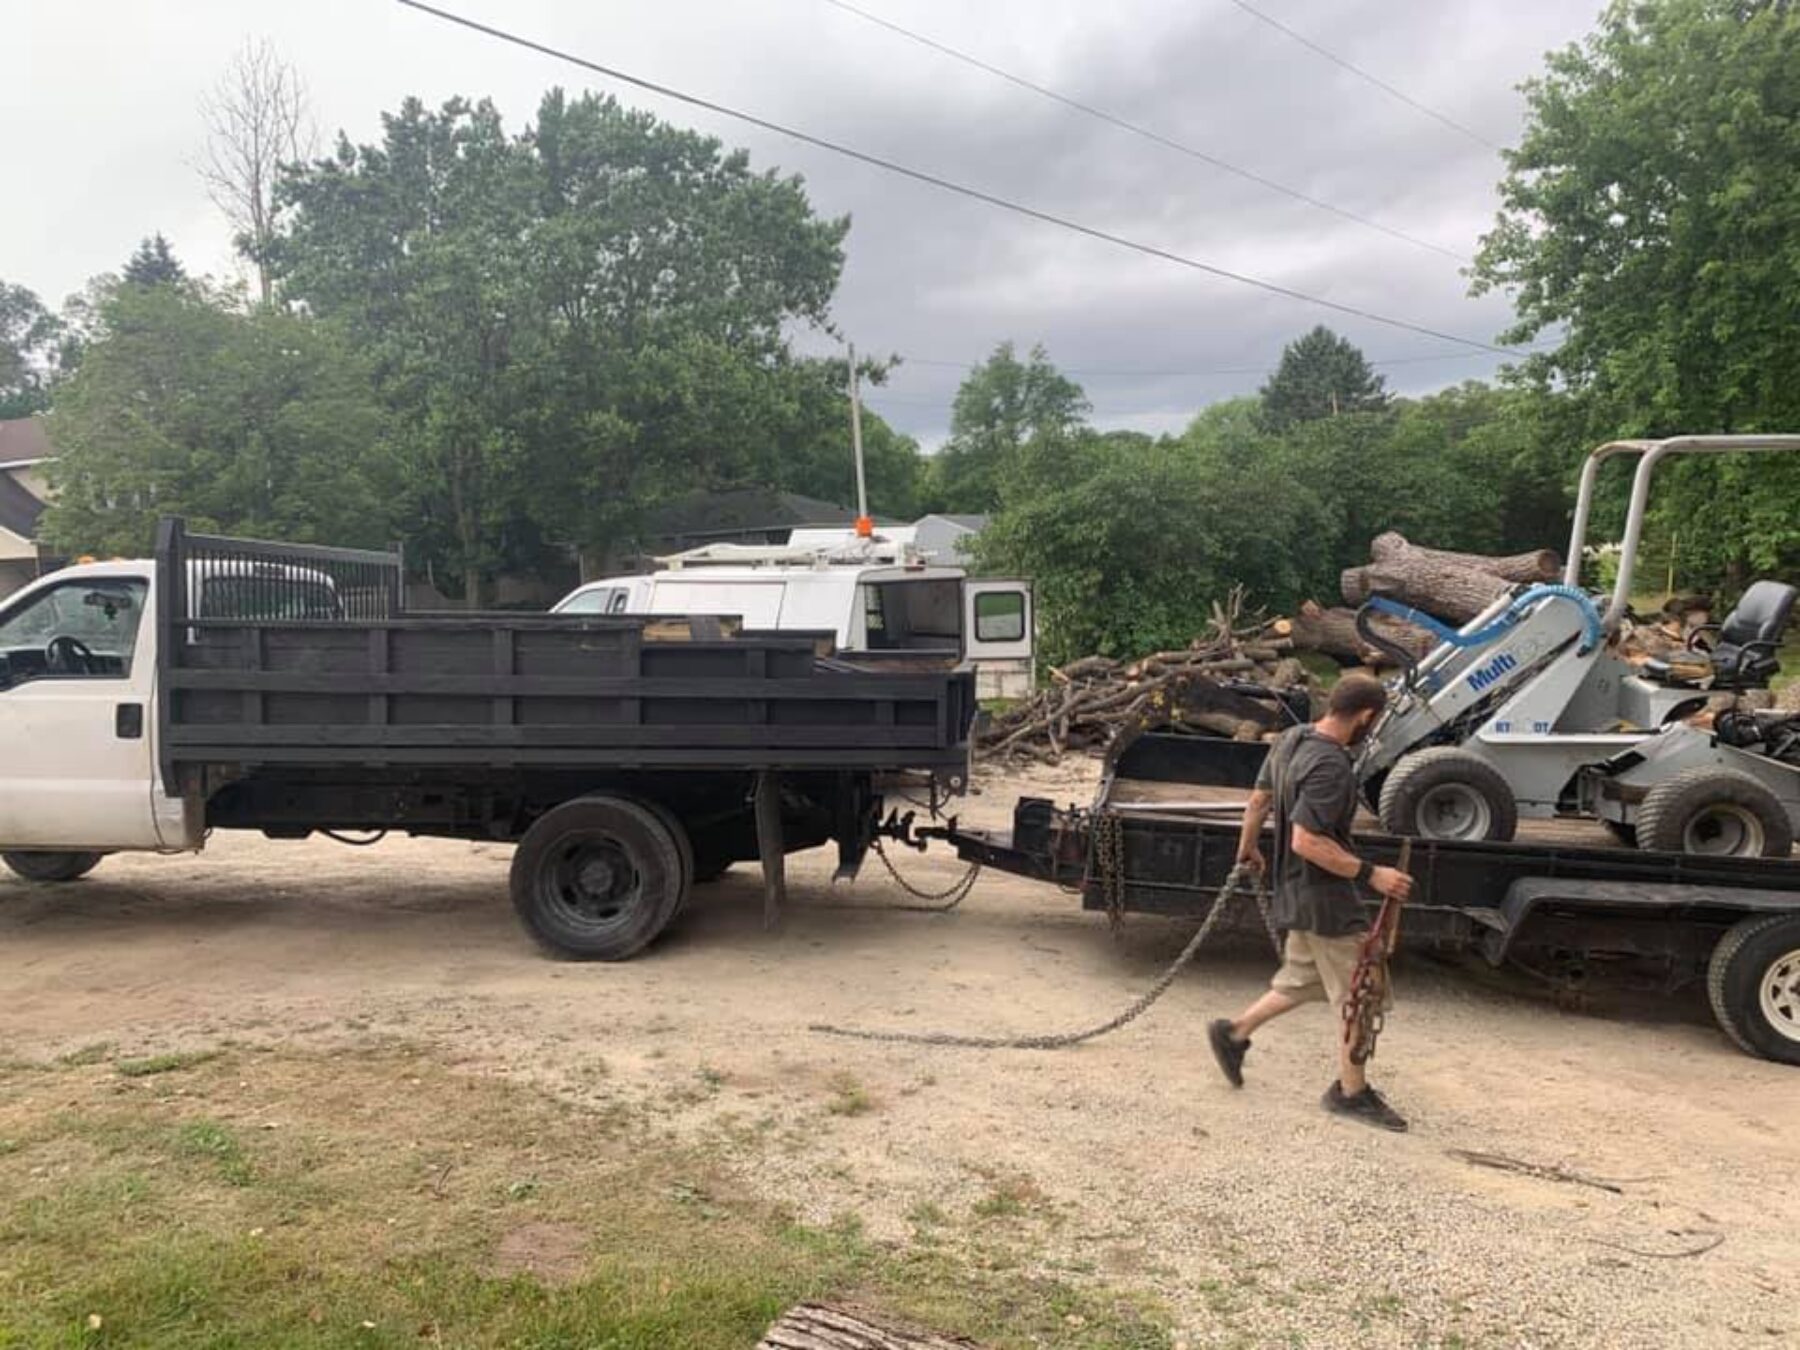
{"x": 1221, "y": 684}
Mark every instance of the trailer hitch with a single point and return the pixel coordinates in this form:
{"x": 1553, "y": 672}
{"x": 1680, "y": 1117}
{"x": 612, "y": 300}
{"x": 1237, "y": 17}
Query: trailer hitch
{"x": 901, "y": 830}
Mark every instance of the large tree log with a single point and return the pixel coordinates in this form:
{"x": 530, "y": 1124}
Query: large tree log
{"x": 1542, "y": 564}
{"x": 1447, "y": 590}
{"x": 813, "y": 1326}
{"x": 1332, "y": 632}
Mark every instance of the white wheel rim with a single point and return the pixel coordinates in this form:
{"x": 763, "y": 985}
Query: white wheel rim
{"x": 1454, "y": 811}
{"x": 1780, "y": 995}
{"x": 1724, "y": 829}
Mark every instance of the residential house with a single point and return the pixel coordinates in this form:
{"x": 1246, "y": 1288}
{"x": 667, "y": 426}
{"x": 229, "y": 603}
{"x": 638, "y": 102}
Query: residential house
{"x": 24, "y": 454}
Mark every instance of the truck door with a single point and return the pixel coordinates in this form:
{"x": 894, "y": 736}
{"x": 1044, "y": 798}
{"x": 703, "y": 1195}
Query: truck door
{"x": 77, "y": 763}
{"x": 997, "y": 620}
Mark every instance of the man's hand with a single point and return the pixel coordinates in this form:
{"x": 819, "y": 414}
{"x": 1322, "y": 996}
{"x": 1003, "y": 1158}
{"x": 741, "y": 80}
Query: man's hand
{"x": 1392, "y": 883}
{"x": 1253, "y": 859}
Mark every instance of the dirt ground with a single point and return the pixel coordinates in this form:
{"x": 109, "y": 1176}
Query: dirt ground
{"x": 1255, "y": 1218}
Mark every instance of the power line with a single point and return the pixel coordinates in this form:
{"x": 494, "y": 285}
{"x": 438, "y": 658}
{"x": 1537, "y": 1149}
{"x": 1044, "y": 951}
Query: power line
{"x": 1360, "y": 73}
{"x": 947, "y": 185}
{"x": 1146, "y": 371}
{"x": 1147, "y": 133}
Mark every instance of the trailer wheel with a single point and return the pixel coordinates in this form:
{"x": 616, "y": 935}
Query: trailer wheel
{"x": 1719, "y": 812}
{"x": 51, "y": 866}
{"x": 598, "y": 878}
{"x": 1753, "y": 982}
{"x": 1447, "y": 793}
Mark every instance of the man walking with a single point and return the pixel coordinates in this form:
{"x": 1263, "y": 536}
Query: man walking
{"x": 1309, "y": 781}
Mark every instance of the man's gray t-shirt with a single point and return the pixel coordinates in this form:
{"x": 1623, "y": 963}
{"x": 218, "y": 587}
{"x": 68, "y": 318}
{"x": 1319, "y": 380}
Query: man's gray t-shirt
{"x": 1313, "y": 782}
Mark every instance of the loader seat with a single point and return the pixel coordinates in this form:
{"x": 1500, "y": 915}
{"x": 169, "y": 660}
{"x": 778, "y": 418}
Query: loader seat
{"x": 1744, "y": 655}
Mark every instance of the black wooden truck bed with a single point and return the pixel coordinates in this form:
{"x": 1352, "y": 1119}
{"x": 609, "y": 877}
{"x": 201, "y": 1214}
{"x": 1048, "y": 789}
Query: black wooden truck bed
{"x": 632, "y": 757}
{"x": 1732, "y": 922}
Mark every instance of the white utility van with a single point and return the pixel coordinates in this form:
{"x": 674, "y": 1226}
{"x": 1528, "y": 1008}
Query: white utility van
{"x": 877, "y": 596}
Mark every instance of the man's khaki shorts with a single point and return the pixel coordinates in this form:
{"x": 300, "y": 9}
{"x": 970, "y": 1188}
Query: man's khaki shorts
{"x": 1317, "y": 968}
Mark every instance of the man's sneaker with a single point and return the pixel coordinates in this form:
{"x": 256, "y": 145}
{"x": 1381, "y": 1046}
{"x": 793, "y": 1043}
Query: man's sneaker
{"x": 1366, "y": 1106}
{"x": 1228, "y": 1052}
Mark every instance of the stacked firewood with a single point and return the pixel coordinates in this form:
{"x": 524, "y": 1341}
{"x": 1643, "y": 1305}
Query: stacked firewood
{"x": 1222, "y": 684}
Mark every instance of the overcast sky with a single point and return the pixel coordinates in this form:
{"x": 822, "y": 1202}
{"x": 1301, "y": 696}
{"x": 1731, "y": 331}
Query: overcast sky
{"x": 101, "y": 104}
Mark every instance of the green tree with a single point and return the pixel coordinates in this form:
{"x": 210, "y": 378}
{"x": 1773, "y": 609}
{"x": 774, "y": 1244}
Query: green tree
{"x": 1129, "y": 540}
{"x": 1320, "y": 375}
{"x": 154, "y": 264}
{"x": 261, "y": 423}
{"x": 1650, "y": 224}
{"x": 1003, "y": 407}
{"x": 28, "y": 338}
{"x": 569, "y": 324}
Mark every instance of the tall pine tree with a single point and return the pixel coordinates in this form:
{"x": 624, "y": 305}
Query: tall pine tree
{"x": 154, "y": 264}
{"x": 1320, "y": 375}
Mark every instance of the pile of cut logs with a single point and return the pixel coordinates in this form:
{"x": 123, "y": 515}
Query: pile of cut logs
{"x": 1204, "y": 687}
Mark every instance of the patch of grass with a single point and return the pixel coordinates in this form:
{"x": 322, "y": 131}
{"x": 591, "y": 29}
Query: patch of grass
{"x": 210, "y": 1139}
{"x": 1010, "y": 1198}
{"x": 166, "y": 1063}
{"x": 97, "y": 1053}
{"x": 849, "y": 1097}
{"x": 369, "y": 1217}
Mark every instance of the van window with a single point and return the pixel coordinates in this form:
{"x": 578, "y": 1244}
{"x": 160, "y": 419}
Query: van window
{"x": 999, "y": 616}
{"x": 913, "y": 615}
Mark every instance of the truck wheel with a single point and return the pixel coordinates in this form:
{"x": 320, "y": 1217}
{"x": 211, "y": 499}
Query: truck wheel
{"x": 1753, "y": 981}
{"x": 52, "y": 866}
{"x": 683, "y": 845}
{"x": 597, "y": 878}
{"x": 1719, "y": 812}
{"x": 1447, "y": 793}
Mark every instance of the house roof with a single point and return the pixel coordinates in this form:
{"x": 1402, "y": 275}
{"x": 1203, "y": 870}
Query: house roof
{"x": 974, "y": 524}
{"x": 23, "y": 440}
{"x": 19, "y": 510}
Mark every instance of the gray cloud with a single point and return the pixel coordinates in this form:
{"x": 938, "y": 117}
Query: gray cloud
{"x": 108, "y": 93}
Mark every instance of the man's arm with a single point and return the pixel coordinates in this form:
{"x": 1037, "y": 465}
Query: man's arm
{"x": 1256, "y": 812}
{"x": 1324, "y": 852}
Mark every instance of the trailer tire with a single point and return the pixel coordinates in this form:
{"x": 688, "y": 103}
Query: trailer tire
{"x": 51, "y": 867}
{"x": 1447, "y": 793}
{"x": 1753, "y": 983}
{"x": 596, "y": 879}
{"x": 1720, "y": 812}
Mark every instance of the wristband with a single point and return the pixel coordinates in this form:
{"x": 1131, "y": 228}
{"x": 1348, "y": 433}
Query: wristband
{"x": 1364, "y": 872}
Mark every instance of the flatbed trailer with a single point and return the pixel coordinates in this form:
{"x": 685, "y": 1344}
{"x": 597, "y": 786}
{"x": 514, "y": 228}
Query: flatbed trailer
{"x": 1733, "y": 923}
{"x": 241, "y": 684}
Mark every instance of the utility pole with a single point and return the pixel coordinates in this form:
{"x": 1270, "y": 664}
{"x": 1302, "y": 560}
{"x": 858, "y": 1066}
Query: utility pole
{"x": 864, "y": 525}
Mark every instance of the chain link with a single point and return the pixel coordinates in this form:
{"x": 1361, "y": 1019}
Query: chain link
{"x": 1240, "y": 881}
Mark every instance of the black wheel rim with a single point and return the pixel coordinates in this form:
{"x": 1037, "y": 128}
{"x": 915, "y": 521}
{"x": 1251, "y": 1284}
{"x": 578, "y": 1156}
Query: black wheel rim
{"x": 592, "y": 885}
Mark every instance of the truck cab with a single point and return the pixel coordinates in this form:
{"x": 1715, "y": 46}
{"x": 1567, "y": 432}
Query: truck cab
{"x": 879, "y": 598}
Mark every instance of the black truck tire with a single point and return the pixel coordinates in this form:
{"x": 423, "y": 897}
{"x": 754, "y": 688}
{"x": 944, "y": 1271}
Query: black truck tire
{"x": 596, "y": 879}
{"x": 1447, "y": 793}
{"x": 1753, "y": 982}
{"x": 1719, "y": 812}
{"x": 683, "y": 845}
{"x": 51, "y": 866}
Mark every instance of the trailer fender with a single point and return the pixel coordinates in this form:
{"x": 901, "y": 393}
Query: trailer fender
{"x": 1639, "y": 898}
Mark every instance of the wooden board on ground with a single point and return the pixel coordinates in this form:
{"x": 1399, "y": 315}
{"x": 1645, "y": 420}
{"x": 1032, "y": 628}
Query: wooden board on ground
{"x": 816, "y": 1326}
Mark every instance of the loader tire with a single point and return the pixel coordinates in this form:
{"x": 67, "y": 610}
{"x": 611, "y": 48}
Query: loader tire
{"x": 1753, "y": 983}
{"x": 1448, "y": 793}
{"x": 51, "y": 867}
{"x": 1720, "y": 813}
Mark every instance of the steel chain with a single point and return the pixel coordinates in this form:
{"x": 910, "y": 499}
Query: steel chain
{"x": 1240, "y": 880}
{"x": 954, "y": 894}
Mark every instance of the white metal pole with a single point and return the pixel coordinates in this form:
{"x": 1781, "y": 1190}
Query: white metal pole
{"x": 862, "y": 488}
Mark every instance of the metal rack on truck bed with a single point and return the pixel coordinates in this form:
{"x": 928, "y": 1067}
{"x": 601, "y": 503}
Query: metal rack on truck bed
{"x": 1732, "y": 922}
{"x": 241, "y": 684}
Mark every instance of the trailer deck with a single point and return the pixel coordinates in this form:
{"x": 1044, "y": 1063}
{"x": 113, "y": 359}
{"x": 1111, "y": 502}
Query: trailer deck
{"x": 1153, "y": 844}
